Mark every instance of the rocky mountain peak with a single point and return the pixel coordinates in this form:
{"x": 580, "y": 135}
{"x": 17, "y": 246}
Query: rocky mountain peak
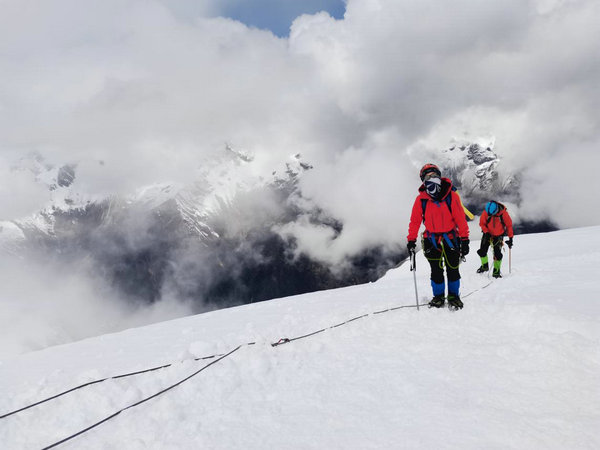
{"x": 476, "y": 170}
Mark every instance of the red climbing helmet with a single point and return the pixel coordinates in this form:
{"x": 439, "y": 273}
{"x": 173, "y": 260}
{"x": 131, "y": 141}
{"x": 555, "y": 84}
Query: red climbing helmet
{"x": 429, "y": 168}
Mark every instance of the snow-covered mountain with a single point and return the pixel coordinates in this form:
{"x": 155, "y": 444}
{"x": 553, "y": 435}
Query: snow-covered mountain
{"x": 479, "y": 174}
{"x": 516, "y": 368}
{"x": 220, "y": 177}
{"x": 476, "y": 171}
{"x": 215, "y": 240}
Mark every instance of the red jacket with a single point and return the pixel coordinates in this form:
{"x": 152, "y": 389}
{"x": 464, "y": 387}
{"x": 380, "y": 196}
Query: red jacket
{"x": 438, "y": 217}
{"x": 494, "y": 224}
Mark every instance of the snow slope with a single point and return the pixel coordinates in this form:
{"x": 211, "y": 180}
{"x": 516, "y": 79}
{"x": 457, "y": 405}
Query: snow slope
{"x": 517, "y": 368}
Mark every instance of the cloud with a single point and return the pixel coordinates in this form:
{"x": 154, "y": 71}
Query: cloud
{"x": 369, "y": 189}
{"x": 522, "y": 72}
{"x": 50, "y": 304}
{"x": 20, "y": 194}
{"x": 139, "y": 92}
{"x": 138, "y": 88}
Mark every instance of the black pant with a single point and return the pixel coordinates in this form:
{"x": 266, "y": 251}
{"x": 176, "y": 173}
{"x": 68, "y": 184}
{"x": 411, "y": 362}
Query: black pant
{"x": 496, "y": 242}
{"x": 441, "y": 255}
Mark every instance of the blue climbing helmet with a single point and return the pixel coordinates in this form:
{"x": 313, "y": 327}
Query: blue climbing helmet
{"x": 491, "y": 208}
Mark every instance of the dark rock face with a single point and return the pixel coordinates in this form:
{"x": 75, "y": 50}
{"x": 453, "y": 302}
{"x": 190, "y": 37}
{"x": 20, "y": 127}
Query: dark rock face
{"x": 525, "y": 227}
{"x": 66, "y": 175}
{"x": 480, "y": 156}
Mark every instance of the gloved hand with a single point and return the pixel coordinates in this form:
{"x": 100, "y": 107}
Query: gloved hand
{"x": 411, "y": 246}
{"x": 509, "y": 242}
{"x": 464, "y": 247}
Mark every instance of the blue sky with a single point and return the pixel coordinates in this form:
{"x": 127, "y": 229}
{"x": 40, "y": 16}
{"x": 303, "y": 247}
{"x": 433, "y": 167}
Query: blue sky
{"x": 277, "y": 15}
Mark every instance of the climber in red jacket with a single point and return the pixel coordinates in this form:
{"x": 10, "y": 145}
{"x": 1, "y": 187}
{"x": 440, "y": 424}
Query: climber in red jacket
{"x": 495, "y": 222}
{"x": 446, "y": 236}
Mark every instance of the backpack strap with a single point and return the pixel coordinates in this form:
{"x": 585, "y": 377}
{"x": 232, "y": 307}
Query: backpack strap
{"x": 423, "y": 207}
{"x": 448, "y": 201}
{"x": 501, "y": 220}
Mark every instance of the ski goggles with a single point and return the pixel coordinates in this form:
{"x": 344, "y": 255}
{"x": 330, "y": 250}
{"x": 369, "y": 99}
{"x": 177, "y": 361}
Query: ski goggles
{"x": 430, "y": 175}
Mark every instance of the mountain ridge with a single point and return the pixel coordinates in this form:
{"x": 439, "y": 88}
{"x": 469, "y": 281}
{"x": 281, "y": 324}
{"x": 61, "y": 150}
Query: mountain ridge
{"x": 221, "y": 239}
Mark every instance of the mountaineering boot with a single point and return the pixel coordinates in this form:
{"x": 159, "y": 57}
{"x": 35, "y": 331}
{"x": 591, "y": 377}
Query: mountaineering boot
{"x": 483, "y": 268}
{"x": 496, "y": 272}
{"x": 437, "y": 302}
{"x": 454, "y": 301}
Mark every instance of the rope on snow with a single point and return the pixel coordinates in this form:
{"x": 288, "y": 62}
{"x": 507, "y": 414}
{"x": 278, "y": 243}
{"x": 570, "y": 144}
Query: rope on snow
{"x": 219, "y": 356}
{"x": 275, "y": 344}
{"x": 95, "y": 382}
{"x": 106, "y": 419}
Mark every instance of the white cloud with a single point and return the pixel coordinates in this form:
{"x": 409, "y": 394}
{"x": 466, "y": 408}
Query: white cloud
{"x": 50, "y": 304}
{"x": 20, "y": 194}
{"x": 147, "y": 91}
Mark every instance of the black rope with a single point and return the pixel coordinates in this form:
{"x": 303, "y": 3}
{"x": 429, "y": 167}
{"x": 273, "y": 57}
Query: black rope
{"x": 287, "y": 340}
{"x": 398, "y": 307}
{"x": 476, "y": 290}
{"x": 275, "y": 344}
{"x": 89, "y": 383}
{"x": 221, "y": 357}
{"x": 144, "y": 400}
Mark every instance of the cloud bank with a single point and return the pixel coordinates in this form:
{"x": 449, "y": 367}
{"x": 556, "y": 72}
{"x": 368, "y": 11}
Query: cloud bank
{"x": 136, "y": 94}
{"x": 50, "y": 304}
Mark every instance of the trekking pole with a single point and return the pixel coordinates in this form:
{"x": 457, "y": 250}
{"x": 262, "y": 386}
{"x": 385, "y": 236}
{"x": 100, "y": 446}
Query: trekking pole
{"x": 413, "y": 269}
{"x": 509, "y": 259}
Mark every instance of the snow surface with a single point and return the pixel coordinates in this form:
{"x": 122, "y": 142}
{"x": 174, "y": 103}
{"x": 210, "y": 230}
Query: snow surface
{"x": 517, "y": 368}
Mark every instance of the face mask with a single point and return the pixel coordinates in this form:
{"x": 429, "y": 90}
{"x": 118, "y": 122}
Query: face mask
{"x": 433, "y": 186}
